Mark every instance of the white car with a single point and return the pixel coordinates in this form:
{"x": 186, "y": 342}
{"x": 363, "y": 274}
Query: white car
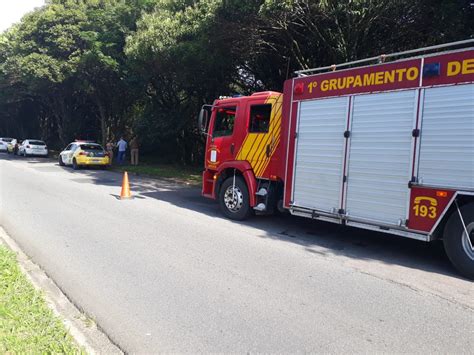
{"x": 4, "y": 144}
{"x": 33, "y": 147}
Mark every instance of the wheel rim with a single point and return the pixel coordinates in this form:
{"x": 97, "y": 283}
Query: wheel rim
{"x": 468, "y": 240}
{"x": 233, "y": 198}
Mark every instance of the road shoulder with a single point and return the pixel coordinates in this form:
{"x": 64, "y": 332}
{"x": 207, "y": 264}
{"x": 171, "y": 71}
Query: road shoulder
{"x": 81, "y": 327}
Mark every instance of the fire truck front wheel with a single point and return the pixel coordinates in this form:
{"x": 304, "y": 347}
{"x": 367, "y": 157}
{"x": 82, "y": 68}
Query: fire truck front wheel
{"x": 458, "y": 240}
{"x": 234, "y": 199}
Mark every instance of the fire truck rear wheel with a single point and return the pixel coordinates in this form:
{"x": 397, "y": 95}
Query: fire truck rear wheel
{"x": 234, "y": 199}
{"x": 457, "y": 243}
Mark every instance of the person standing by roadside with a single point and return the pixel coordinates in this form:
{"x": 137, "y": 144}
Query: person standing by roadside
{"x": 15, "y": 147}
{"x": 109, "y": 147}
{"x": 122, "y": 148}
{"x": 134, "y": 150}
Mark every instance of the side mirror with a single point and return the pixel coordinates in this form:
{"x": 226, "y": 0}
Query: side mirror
{"x": 203, "y": 119}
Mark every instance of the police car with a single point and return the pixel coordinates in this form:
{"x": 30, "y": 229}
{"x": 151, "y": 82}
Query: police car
{"x": 83, "y": 153}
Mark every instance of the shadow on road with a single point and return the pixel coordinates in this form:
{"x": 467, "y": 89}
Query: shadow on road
{"x": 317, "y": 237}
{"x": 325, "y": 238}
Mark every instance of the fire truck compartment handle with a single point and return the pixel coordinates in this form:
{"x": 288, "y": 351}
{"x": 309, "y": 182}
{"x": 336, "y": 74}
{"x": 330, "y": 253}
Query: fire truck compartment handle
{"x": 268, "y": 151}
{"x": 232, "y": 146}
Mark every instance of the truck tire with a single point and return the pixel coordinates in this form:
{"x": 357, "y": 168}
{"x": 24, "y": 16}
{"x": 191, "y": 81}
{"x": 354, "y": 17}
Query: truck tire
{"x": 456, "y": 241}
{"x": 234, "y": 202}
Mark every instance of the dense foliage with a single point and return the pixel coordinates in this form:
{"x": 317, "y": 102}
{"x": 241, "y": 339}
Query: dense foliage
{"x": 97, "y": 69}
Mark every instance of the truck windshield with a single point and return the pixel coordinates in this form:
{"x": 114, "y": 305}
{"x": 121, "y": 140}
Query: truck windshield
{"x": 224, "y": 122}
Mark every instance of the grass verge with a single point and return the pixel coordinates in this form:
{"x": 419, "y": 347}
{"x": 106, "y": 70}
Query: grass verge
{"x": 27, "y": 325}
{"x": 185, "y": 174}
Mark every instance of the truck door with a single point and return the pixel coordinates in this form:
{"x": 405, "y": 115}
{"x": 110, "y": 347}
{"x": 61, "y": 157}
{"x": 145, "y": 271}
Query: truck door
{"x": 263, "y": 120}
{"x": 222, "y": 145}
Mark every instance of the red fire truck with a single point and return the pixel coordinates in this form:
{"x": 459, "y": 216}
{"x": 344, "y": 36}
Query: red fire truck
{"x": 386, "y": 146}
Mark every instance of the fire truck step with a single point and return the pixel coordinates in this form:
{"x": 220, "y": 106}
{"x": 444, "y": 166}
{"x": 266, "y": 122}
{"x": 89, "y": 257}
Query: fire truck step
{"x": 260, "y": 207}
{"x": 262, "y": 192}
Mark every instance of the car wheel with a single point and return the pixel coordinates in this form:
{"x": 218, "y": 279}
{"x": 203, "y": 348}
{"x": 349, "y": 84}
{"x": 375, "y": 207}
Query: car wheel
{"x": 234, "y": 199}
{"x": 61, "y": 163}
{"x": 75, "y": 166}
{"x": 459, "y": 244}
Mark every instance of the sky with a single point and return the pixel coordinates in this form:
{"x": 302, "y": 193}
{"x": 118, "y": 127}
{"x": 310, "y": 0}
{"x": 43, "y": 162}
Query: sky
{"x": 11, "y": 11}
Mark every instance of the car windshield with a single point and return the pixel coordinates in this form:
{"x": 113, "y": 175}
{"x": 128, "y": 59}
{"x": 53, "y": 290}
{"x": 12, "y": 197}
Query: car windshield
{"x": 36, "y": 143}
{"x": 94, "y": 147}
{"x": 8, "y": 140}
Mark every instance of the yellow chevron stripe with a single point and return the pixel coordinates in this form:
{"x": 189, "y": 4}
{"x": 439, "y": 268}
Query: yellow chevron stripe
{"x": 246, "y": 146}
{"x": 263, "y": 157}
{"x": 265, "y": 162}
{"x": 271, "y": 154}
{"x": 263, "y": 147}
{"x": 239, "y": 153}
{"x": 255, "y": 148}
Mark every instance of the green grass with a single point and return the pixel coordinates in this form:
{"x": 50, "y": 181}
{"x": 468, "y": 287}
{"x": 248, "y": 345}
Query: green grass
{"x": 184, "y": 174}
{"x": 27, "y": 325}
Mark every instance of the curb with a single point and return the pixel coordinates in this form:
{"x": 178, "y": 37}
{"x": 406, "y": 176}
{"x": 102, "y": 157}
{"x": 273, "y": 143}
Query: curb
{"x": 81, "y": 327}
{"x": 176, "y": 181}
{"x": 168, "y": 180}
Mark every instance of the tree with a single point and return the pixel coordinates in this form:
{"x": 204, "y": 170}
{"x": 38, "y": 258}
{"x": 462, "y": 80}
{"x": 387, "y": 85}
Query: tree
{"x": 101, "y": 68}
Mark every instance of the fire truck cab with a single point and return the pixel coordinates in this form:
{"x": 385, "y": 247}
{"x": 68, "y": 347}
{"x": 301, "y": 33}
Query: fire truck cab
{"x": 386, "y": 146}
{"x": 243, "y": 150}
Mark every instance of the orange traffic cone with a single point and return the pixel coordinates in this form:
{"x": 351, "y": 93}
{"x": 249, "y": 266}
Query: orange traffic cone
{"x": 125, "y": 187}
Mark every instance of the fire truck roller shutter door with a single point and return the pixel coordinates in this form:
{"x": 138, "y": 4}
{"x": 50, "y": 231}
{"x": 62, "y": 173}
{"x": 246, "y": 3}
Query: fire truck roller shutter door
{"x": 447, "y": 137}
{"x": 380, "y": 156}
{"x": 319, "y": 154}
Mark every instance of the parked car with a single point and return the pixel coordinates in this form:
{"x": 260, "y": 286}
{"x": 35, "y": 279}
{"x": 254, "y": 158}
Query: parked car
{"x": 4, "y": 142}
{"x": 30, "y": 147}
{"x": 81, "y": 153}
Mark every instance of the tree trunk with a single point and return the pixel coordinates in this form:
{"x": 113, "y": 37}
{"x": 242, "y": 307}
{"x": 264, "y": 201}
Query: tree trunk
{"x": 57, "y": 107}
{"x": 103, "y": 120}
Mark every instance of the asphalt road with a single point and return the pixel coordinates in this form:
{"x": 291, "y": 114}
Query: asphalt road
{"x": 164, "y": 272}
